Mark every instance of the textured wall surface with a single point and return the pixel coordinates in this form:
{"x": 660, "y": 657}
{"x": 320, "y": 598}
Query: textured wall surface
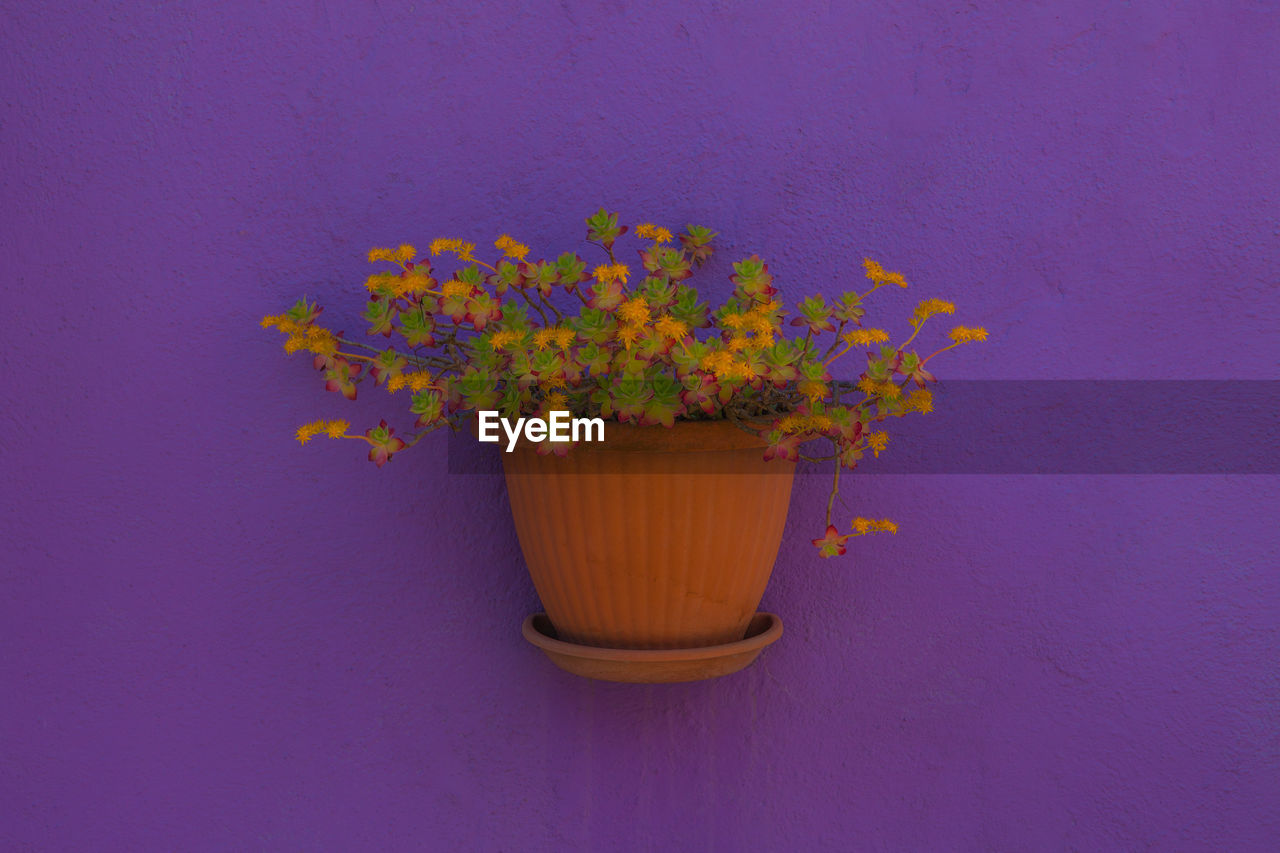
{"x": 212, "y": 638}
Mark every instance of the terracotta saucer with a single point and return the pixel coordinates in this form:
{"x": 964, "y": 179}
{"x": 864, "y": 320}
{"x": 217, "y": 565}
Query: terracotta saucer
{"x": 649, "y": 666}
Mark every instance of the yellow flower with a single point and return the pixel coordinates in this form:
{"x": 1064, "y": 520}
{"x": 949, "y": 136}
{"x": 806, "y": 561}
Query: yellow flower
{"x": 457, "y": 247}
{"x": 714, "y": 361}
{"x": 455, "y": 290}
{"x": 379, "y": 281}
{"x": 743, "y": 370}
{"x": 967, "y": 335}
{"x": 760, "y": 323}
{"x": 872, "y": 388}
{"x": 511, "y": 248}
{"x": 379, "y": 253}
{"x": 612, "y": 272}
{"x": 929, "y": 307}
{"x": 877, "y": 441}
{"x": 542, "y": 338}
{"x": 649, "y": 231}
{"x": 862, "y": 526}
{"x": 865, "y": 337}
{"x": 635, "y": 311}
{"x": 319, "y": 341}
{"x": 294, "y": 343}
{"x": 725, "y": 366}
{"x": 397, "y": 382}
{"x": 414, "y": 282}
{"x": 738, "y": 343}
{"x": 813, "y": 389}
{"x": 556, "y": 402}
{"x": 334, "y": 429}
{"x": 671, "y": 328}
{"x": 877, "y": 273}
{"x": 629, "y": 334}
{"x": 809, "y": 423}
{"x": 404, "y": 252}
{"x": 734, "y": 321}
{"x": 763, "y": 339}
{"x": 419, "y": 381}
{"x": 284, "y": 323}
{"x": 557, "y": 335}
{"x": 791, "y": 423}
{"x": 308, "y": 431}
{"x": 505, "y": 338}
{"x": 920, "y": 400}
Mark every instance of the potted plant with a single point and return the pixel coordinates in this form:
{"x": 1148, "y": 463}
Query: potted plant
{"x": 652, "y": 548}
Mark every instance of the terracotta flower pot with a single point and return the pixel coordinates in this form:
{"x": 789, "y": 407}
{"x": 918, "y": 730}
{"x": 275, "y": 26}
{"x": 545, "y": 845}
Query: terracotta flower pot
{"x": 655, "y": 538}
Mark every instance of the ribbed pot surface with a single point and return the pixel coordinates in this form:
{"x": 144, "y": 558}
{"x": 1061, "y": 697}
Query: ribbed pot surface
{"x": 654, "y": 539}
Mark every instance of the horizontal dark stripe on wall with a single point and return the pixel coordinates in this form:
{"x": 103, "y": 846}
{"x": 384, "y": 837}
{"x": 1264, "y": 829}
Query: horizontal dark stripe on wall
{"x": 1058, "y": 426}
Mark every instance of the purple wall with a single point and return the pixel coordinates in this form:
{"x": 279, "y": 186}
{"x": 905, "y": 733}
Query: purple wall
{"x": 216, "y": 639}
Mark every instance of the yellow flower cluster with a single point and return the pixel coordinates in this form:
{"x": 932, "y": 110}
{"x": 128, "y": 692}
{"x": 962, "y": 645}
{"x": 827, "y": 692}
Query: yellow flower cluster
{"x": 877, "y": 441}
{"x": 458, "y": 247}
{"x": 725, "y": 366}
{"x": 865, "y": 337}
{"x": 759, "y": 320}
{"x": 418, "y": 381}
{"x": 556, "y": 402}
{"x": 628, "y": 335}
{"x": 399, "y": 255}
{"x": 398, "y": 285}
{"x": 888, "y": 389}
{"x": 634, "y": 312}
{"x": 671, "y": 328}
{"x": 283, "y": 322}
{"x": 612, "y": 272}
{"x": 862, "y": 526}
{"x": 929, "y": 307}
{"x": 877, "y": 273}
{"x": 805, "y": 423}
{"x": 511, "y": 248}
{"x": 301, "y": 337}
{"x": 649, "y": 231}
{"x": 333, "y": 429}
{"x": 967, "y": 335}
{"x": 505, "y": 338}
{"x": 556, "y": 335}
{"x": 920, "y": 400}
{"x": 455, "y": 290}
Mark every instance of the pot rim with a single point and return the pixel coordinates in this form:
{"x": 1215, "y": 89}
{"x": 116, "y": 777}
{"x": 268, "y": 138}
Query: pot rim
{"x": 535, "y": 635}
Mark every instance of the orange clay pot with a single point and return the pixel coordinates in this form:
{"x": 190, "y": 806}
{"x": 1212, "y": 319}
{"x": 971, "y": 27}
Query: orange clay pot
{"x": 654, "y": 538}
